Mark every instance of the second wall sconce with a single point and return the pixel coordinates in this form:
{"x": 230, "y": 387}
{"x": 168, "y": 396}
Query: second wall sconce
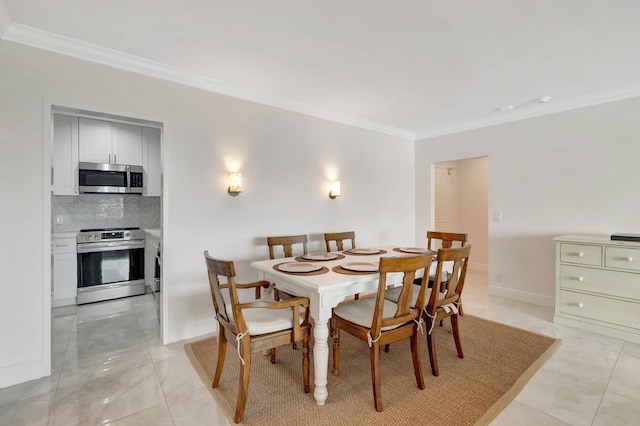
{"x": 334, "y": 189}
{"x": 235, "y": 183}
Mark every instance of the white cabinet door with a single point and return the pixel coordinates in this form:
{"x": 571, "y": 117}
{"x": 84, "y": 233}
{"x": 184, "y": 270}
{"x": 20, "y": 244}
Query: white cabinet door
{"x": 65, "y": 276}
{"x": 127, "y": 144}
{"x": 95, "y": 140}
{"x": 106, "y": 142}
{"x": 65, "y": 155}
{"x": 151, "y": 161}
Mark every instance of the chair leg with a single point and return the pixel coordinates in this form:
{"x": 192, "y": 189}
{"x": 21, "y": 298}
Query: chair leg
{"x": 456, "y": 335}
{"x": 415, "y": 355}
{"x": 432, "y": 349}
{"x": 305, "y": 362}
{"x": 335, "y": 333}
{"x": 272, "y": 355}
{"x": 243, "y": 387}
{"x": 222, "y": 352}
{"x": 386, "y": 348}
{"x": 374, "y": 354}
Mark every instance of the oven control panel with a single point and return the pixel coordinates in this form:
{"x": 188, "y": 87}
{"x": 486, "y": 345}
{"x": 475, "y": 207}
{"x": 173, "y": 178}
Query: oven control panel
{"x": 110, "y": 235}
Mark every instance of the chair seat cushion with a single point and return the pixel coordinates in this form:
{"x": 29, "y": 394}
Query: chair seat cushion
{"x": 361, "y": 312}
{"x": 266, "y": 320}
{"x": 394, "y": 293}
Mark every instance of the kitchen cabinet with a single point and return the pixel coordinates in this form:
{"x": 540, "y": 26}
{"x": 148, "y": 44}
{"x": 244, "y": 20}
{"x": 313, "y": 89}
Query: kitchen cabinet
{"x": 65, "y": 155}
{"x": 65, "y": 267}
{"x": 151, "y": 161}
{"x": 109, "y": 142}
{"x": 598, "y": 285}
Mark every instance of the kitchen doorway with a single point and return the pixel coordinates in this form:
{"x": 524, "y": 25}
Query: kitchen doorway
{"x": 462, "y": 204}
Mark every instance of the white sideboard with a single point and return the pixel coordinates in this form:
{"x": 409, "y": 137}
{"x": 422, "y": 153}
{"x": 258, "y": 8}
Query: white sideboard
{"x": 598, "y": 285}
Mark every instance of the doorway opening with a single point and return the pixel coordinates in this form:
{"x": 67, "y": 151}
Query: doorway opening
{"x": 462, "y": 204}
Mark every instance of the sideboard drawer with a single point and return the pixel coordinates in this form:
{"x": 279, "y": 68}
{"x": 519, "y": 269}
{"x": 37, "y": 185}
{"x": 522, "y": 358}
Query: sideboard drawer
{"x": 581, "y": 254}
{"x": 612, "y": 283}
{"x": 622, "y": 258}
{"x": 604, "y": 309}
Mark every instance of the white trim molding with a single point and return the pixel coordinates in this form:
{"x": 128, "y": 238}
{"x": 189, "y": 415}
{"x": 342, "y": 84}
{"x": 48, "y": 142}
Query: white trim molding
{"x": 52, "y": 42}
{"x": 617, "y": 94}
{"x": 63, "y": 45}
{"x": 523, "y": 296}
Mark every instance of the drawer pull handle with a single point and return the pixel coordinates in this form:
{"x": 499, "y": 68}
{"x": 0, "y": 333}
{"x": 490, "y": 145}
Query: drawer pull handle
{"x": 580, "y": 254}
{"x": 580, "y": 305}
{"x": 580, "y": 279}
{"x": 629, "y": 259}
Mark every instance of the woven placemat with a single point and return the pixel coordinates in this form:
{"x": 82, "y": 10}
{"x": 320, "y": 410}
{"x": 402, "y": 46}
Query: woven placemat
{"x": 350, "y": 253}
{"x": 398, "y": 249}
{"x": 320, "y": 271}
{"x": 302, "y": 259}
{"x": 340, "y": 270}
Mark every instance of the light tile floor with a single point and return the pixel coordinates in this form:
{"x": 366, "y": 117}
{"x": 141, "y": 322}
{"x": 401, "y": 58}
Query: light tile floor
{"x": 110, "y": 368}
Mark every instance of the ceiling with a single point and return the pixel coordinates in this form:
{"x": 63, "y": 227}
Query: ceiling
{"x": 410, "y": 68}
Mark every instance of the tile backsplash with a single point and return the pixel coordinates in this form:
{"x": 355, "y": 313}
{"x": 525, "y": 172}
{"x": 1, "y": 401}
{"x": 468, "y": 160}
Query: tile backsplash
{"x": 86, "y": 211}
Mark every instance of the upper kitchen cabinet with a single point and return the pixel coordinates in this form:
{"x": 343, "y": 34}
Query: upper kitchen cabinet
{"x": 65, "y": 155}
{"x": 108, "y": 142}
{"x": 151, "y": 161}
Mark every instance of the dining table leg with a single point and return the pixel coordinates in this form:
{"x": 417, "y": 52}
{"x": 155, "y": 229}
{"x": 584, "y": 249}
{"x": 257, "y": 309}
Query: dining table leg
{"x": 321, "y": 360}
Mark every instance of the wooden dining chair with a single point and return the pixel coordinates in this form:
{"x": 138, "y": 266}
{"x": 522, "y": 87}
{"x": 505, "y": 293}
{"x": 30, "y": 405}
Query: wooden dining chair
{"x": 288, "y": 244}
{"x": 378, "y": 321}
{"x": 446, "y": 304}
{"x": 254, "y": 326}
{"x": 338, "y": 238}
{"x": 444, "y": 240}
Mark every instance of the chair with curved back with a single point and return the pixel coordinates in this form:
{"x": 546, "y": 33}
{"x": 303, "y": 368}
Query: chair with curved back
{"x": 254, "y": 326}
{"x": 447, "y": 304}
{"x": 338, "y": 238}
{"x": 378, "y": 321}
{"x": 287, "y": 243}
{"x": 446, "y": 240}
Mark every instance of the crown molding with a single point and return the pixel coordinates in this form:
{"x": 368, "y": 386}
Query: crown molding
{"x": 52, "y": 42}
{"x": 535, "y": 110}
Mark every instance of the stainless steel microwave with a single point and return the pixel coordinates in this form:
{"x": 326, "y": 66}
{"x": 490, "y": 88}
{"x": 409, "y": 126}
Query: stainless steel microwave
{"x": 110, "y": 178}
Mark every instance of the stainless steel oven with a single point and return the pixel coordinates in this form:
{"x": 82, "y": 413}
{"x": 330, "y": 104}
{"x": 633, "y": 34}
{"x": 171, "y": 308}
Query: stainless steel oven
{"x": 110, "y": 264}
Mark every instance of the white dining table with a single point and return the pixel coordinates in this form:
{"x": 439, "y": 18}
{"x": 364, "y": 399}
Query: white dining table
{"x": 325, "y": 291}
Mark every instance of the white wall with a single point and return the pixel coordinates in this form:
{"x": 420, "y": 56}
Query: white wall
{"x": 286, "y": 160}
{"x": 571, "y": 172}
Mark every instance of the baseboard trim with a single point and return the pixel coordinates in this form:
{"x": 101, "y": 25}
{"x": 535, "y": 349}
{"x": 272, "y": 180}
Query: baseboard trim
{"x": 189, "y": 331}
{"x": 22, "y": 372}
{"x": 523, "y": 296}
{"x": 482, "y": 267}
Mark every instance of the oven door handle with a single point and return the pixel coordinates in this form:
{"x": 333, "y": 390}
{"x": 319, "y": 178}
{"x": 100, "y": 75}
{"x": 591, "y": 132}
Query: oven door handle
{"x": 109, "y": 246}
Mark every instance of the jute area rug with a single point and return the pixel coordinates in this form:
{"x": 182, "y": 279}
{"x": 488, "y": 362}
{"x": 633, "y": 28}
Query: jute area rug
{"x": 498, "y": 362}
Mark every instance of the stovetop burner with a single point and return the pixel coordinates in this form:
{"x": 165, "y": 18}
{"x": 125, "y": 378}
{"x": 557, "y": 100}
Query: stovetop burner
{"x": 110, "y": 229}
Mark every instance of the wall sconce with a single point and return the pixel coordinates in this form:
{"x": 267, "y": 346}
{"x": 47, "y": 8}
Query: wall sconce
{"x": 334, "y": 189}
{"x": 235, "y": 183}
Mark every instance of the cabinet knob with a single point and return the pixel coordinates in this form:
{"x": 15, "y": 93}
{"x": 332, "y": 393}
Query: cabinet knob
{"x": 580, "y": 279}
{"x": 580, "y": 254}
{"x": 629, "y": 259}
{"x": 580, "y": 305}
